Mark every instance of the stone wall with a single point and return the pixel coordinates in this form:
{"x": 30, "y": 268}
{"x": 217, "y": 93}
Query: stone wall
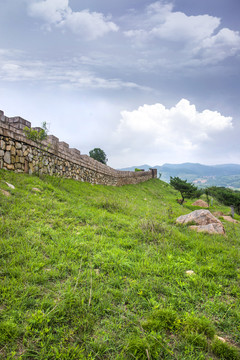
{"x": 54, "y": 157}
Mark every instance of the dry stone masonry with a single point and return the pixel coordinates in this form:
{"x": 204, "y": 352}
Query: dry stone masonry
{"x": 54, "y": 157}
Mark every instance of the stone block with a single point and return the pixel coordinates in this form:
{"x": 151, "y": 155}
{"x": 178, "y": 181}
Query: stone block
{"x": 13, "y": 159}
{"x": 18, "y": 166}
{"x": 1, "y": 153}
{"x": 2, "y": 145}
{"x": 7, "y": 157}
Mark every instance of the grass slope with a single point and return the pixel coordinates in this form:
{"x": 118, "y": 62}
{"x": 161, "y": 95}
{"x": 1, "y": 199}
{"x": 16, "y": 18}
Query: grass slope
{"x": 94, "y": 272}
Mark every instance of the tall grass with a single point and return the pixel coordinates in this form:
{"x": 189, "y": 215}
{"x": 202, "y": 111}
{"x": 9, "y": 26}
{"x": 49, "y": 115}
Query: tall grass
{"x": 94, "y": 272}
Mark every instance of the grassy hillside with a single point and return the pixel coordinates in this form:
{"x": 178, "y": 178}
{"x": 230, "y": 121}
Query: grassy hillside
{"x": 94, "y": 272}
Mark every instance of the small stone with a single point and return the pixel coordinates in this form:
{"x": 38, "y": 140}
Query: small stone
{"x": 220, "y": 338}
{"x": 36, "y": 189}
{"x": 10, "y": 185}
{"x": 230, "y": 219}
{"x": 1, "y": 153}
{"x": 190, "y": 272}
{"x": 5, "y": 193}
{"x": 18, "y": 145}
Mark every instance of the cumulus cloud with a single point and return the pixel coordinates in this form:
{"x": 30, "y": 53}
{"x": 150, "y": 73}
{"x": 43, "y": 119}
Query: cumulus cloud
{"x": 89, "y": 25}
{"x": 192, "y": 37}
{"x": 180, "y": 132}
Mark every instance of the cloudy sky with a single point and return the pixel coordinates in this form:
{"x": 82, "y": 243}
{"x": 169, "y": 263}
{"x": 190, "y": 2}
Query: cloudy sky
{"x": 148, "y": 82}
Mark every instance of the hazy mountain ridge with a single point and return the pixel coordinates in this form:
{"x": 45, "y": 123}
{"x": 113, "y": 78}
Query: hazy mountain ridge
{"x": 227, "y": 175}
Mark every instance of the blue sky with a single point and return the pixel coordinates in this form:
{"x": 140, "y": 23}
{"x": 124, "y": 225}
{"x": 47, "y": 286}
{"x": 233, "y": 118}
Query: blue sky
{"x": 148, "y": 82}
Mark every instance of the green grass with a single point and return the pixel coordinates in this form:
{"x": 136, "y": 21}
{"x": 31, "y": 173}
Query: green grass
{"x": 94, "y": 272}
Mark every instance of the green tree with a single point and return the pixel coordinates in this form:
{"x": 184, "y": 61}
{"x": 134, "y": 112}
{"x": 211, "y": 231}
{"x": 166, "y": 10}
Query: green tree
{"x": 187, "y": 190}
{"x": 99, "y": 155}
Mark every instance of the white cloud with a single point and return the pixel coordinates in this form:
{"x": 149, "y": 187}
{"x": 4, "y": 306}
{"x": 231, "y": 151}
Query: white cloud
{"x": 52, "y": 11}
{"x": 89, "y": 25}
{"x": 179, "y": 132}
{"x": 189, "y": 37}
{"x": 216, "y": 48}
{"x": 63, "y": 74}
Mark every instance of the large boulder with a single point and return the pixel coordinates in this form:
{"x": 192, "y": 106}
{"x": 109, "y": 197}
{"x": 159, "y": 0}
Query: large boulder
{"x": 204, "y": 220}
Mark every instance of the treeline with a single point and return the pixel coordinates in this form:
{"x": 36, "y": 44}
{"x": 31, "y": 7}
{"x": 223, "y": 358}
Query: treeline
{"x": 226, "y": 196}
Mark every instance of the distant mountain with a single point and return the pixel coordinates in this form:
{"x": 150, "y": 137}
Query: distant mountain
{"x": 227, "y": 175}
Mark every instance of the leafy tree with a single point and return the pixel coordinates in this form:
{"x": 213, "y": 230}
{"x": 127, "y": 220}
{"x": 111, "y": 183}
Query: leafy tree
{"x": 99, "y": 155}
{"x": 187, "y": 190}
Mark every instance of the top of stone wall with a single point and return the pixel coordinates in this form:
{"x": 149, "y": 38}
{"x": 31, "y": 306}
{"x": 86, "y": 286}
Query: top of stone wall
{"x": 14, "y": 127}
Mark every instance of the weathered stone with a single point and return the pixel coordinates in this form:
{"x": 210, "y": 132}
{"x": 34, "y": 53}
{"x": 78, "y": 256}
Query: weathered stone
{"x": 10, "y": 185}
{"x": 214, "y": 228}
{"x": 10, "y": 167}
{"x": 22, "y": 160}
{"x": 8, "y": 147}
{"x": 13, "y": 150}
{"x": 204, "y": 220}
{"x": 190, "y": 272}
{"x": 1, "y": 153}
{"x": 2, "y": 145}
{"x": 7, "y": 157}
{"x": 200, "y": 203}
{"x": 199, "y": 217}
{"x": 19, "y": 153}
{"x": 13, "y": 159}
{"x": 36, "y": 189}
{"x": 5, "y": 193}
{"x": 18, "y": 145}
{"x": 220, "y": 338}
{"x": 230, "y": 219}
{"x": 30, "y": 165}
{"x": 18, "y": 166}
